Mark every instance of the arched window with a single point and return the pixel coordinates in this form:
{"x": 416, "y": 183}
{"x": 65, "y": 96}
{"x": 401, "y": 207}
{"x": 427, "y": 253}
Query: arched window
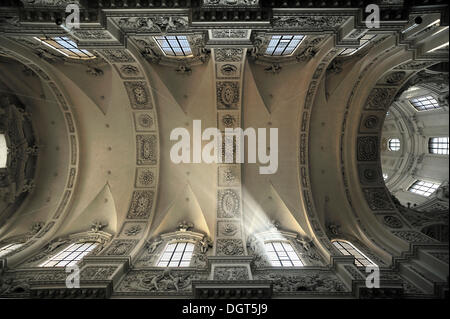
{"x": 174, "y": 45}
{"x": 283, "y": 44}
{"x": 9, "y": 248}
{"x": 66, "y": 47}
{"x": 70, "y": 256}
{"x": 282, "y": 254}
{"x": 394, "y": 144}
{"x": 438, "y": 145}
{"x": 177, "y": 254}
{"x": 348, "y": 249}
{"x": 385, "y": 176}
{"x": 3, "y": 151}
{"x": 423, "y": 188}
{"x": 425, "y": 103}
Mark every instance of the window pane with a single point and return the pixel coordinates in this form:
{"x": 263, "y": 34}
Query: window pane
{"x": 438, "y": 145}
{"x": 282, "y": 254}
{"x": 174, "y": 45}
{"x": 67, "y": 47}
{"x": 176, "y": 255}
{"x": 70, "y": 255}
{"x": 283, "y": 45}
{"x": 394, "y": 144}
{"x": 425, "y": 103}
{"x": 348, "y": 249}
{"x": 423, "y": 188}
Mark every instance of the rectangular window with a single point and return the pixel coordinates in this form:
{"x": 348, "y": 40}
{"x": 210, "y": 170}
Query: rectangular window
{"x": 174, "y": 45}
{"x": 67, "y": 47}
{"x": 425, "y": 103}
{"x": 423, "y": 188}
{"x": 283, "y": 44}
{"x": 281, "y": 254}
{"x": 176, "y": 255}
{"x": 438, "y": 145}
{"x": 69, "y": 256}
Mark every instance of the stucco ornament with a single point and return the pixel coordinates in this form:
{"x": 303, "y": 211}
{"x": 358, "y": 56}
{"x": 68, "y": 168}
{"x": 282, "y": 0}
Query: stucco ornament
{"x": 152, "y": 246}
{"x": 205, "y": 244}
{"x": 185, "y": 226}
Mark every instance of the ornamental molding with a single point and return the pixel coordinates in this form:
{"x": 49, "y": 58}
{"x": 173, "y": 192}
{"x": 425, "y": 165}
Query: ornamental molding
{"x": 159, "y": 282}
{"x": 306, "y": 281}
{"x": 151, "y": 23}
{"x": 48, "y": 78}
{"x": 308, "y": 23}
{"x": 230, "y": 3}
{"x": 49, "y": 250}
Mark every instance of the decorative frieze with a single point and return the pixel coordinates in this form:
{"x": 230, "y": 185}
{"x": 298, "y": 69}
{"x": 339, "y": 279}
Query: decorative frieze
{"x": 231, "y": 273}
{"x": 163, "y": 281}
{"x": 312, "y": 22}
{"x": 229, "y": 33}
{"x": 302, "y": 282}
{"x": 413, "y": 236}
{"x": 97, "y": 272}
{"x": 153, "y": 24}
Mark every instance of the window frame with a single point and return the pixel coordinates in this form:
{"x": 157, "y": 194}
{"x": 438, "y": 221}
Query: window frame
{"x": 429, "y": 98}
{"x": 432, "y": 149}
{"x": 418, "y": 190}
{"x": 358, "y": 262}
{"x": 392, "y": 144}
{"x": 281, "y": 38}
{"x": 181, "y": 46}
{"x": 277, "y": 254}
{"x": 181, "y": 260}
{"x": 63, "y": 45}
{"x": 56, "y": 259}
